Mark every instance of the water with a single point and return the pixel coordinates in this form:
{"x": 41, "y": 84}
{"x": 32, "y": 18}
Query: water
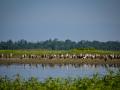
{"x": 43, "y": 71}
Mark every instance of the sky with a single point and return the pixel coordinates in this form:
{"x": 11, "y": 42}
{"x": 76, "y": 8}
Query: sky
{"x": 39, "y": 20}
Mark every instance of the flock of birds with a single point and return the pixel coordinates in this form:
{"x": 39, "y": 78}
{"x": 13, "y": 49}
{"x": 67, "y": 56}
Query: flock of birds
{"x": 61, "y": 56}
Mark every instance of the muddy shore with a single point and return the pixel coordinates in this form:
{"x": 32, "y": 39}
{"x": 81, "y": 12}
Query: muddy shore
{"x": 58, "y": 61}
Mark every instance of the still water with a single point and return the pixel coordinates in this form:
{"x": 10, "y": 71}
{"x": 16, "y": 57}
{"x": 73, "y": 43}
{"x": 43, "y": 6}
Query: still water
{"x": 43, "y": 71}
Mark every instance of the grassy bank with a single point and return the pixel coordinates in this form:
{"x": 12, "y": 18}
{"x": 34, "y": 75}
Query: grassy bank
{"x": 18, "y": 53}
{"x": 72, "y": 51}
{"x": 110, "y": 81}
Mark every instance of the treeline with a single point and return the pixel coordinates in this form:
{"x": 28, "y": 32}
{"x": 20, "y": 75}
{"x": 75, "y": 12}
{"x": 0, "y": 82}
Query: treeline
{"x": 59, "y": 45}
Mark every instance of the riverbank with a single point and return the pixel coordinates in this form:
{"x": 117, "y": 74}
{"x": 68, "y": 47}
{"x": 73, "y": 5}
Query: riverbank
{"x": 58, "y": 61}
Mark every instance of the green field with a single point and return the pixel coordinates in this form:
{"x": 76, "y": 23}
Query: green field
{"x": 72, "y": 51}
{"x": 110, "y": 81}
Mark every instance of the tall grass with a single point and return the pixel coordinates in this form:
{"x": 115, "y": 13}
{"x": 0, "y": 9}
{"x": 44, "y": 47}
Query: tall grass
{"x": 110, "y": 81}
{"x": 72, "y": 51}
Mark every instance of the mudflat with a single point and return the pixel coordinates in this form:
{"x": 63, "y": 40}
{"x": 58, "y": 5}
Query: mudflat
{"x": 59, "y": 61}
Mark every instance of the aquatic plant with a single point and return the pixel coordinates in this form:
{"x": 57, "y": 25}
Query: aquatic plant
{"x": 110, "y": 81}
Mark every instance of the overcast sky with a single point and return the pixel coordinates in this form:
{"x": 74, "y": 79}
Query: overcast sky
{"x": 36, "y": 20}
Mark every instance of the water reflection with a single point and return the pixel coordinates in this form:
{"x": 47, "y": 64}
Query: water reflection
{"x": 44, "y": 66}
{"x": 42, "y": 71}
{"x": 68, "y": 65}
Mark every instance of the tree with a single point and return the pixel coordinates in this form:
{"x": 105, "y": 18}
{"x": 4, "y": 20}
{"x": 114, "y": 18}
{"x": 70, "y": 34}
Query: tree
{"x": 60, "y": 45}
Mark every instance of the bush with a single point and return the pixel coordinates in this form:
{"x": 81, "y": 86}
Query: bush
{"x": 108, "y": 82}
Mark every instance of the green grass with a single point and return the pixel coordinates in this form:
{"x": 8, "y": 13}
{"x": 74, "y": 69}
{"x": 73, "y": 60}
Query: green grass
{"x": 110, "y": 81}
{"x": 72, "y": 51}
{"x": 18, "y": 53}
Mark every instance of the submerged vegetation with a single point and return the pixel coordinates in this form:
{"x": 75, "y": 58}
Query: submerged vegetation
{"x": 110, "y": 81}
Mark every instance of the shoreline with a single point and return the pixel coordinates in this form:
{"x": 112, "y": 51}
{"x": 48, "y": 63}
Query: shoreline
{"x": 58, "y": 61}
